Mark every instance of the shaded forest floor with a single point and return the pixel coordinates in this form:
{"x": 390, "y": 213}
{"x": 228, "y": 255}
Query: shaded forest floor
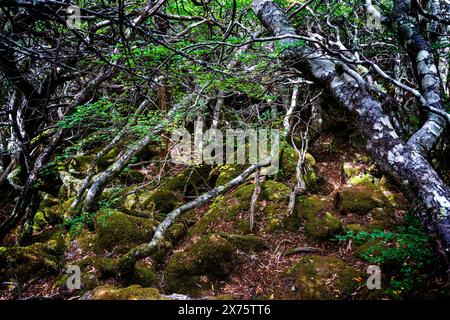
{"x": 350, "y": 217}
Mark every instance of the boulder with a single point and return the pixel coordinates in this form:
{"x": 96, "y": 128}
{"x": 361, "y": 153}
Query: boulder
{"x": 324, "y": 278}
{"x": 115, "y": 229}
{"x": 209, "y": 259}
{"x": 360, "y": 199}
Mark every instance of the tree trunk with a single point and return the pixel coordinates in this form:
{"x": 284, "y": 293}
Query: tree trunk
{"x": 400, "y": 159}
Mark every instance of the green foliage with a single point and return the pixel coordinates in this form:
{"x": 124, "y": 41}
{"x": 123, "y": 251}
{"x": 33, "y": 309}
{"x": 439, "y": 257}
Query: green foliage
{"x": 91, "y": 114}
{"x": 408, "y": 251}
{"x": 77, "y": 223}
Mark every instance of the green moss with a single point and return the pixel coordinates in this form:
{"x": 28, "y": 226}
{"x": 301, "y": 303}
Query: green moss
{"x": 309, "y": 204}
{"x": 80, "y": 165}
{"x": 108, "y": 159}
{"x": 191, "y": 181}
{"x": 25, "y": 263}
{"x": 211, "y": 256}
{"x": 85, "y": 239}
{"x": 360, "y": 199}
{"x": 39, "y": 222}
{"x": 356, "y": 228}
{"x": 274, "y": 191}
{"x": 356, "y": 174}
{"x": 319, "y": 225}
{"x": 227, "y": 172}
{"x": 176, "y": 232}
{"x": 246, "y": 243}
{"x": 383, "y": 219}
{"x": 115, "y": 229}
{"x": 322, "y": 226}
{"x": 134, "y": 292}
{"x": 288, "y": 164}
{"x": 229, "y": 209}
{"x": 143, "y": 275}
{"x": 324, "y": 277}
{"x": 88, "y": 281}
{"x": 51, "y": 212}
{"x": 163, "y": 201}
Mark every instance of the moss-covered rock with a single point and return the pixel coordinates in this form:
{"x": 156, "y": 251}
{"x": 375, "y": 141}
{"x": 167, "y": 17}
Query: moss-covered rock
{"x": 288, "y": 164}
{"x": 70, "y": 185}
{"x": 211, "y": 258}
{"x": 25, "y": 263}
{"x": 322, "y": 226}
{"x": 246, "y": 243}
{"x": 152, "y": 201}
{"x": 88, "y": 281}
{"x": 356, "y": 173}
{"x": 232, "y": 209}
{"x": 134, "y": 292}
{"x": 176, "y": 232}
{"x": 310, "y": 204}
{"x": 143, "y": 275}
{"x": 324, "y": 278}
{"x": 51, "y": 212}
{"x": 227, "y": 172}
{"x": 356, "y": 228}
{"x": 191, "y": 181}
{"x": 383, "y": 219}
{"x": 318, "y": 223}
{"x": 79, "y": 166}
{"x": 360, "y": 199}
{"x": 115, "y": 229}
{"x": 163, "y": 201}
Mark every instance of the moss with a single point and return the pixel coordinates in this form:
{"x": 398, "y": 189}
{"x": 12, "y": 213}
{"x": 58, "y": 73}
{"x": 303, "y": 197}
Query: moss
{"x": 25, "y": 263}
{"x": 80, "y": 165}
{"x": 85, "y": 239}
{"x": 310, "y": 204}
{"x": 227, "y": 172}
{"x": 356, "y": 174}
{"x": 322, "y": 226}
{"x": 360, "y": 199}
{"x": 246, "y": 243}
{"x": 176, "y": 232}
{"x": 134, "y": 292}
{"x": 50, "y": 212}
{"x": 108, "y": 159}
{"x": 274, "y": 191}
{"x": 56, "y": 244}
{"x": 88, "y": 281}
{"x": 39, "y": 222}
{"x": 163, "y": 201}
{"x": 191, "y": 181}
{"x": 324, "y": 277}
{"x": 211, "y": 256}
{"x": 288, "y": 164}
{"x": 115, "y": 229}
{"x": 319, "y": 225}
{"x": 383, "y": 219}
{"x": 228, "y": 209}
{"x": 356, "y": 228}
{"x": 143, "y": 275}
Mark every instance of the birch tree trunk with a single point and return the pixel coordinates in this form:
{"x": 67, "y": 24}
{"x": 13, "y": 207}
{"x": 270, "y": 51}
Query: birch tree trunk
{"x": 400, "y": 159}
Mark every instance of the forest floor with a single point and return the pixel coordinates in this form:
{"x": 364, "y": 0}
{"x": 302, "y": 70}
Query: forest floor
{"x": 275, "y": 272}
